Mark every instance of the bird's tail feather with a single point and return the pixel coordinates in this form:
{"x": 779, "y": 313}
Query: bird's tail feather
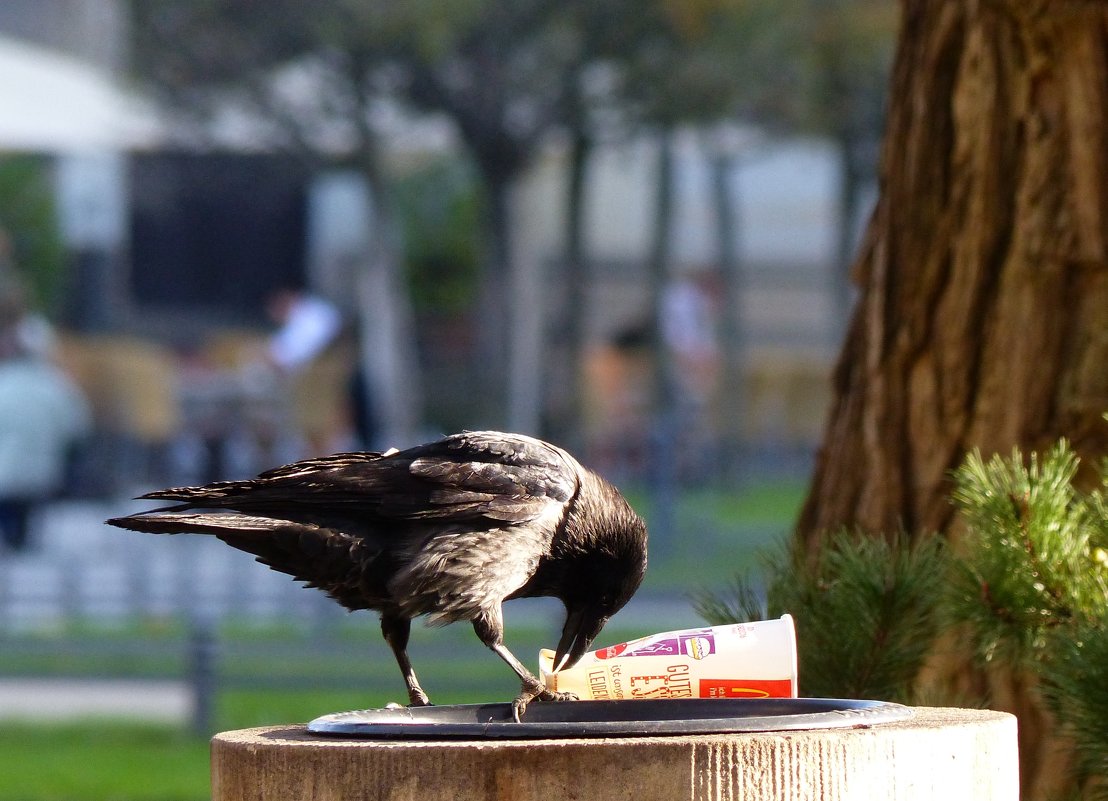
{"x": 215, "y": 494}
{"x": 322, "y": 557}
{"x": 160, "y": 522}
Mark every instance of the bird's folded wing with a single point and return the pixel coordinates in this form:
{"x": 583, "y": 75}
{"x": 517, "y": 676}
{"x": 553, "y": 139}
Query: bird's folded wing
{"x": 500, "y": 478}
{"x": 463, "y": 478}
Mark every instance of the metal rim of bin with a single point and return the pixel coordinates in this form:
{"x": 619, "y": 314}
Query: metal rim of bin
{"x": 626, "y": 718}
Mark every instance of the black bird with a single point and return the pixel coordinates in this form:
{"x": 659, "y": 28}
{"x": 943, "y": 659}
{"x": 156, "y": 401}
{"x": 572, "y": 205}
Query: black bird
{"x": 450, "y": 529}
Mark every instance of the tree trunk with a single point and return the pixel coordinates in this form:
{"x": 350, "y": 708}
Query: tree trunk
{"x": 494, "y": 318}
{"x": 663, "y": 453}
{"x": 732, "y": 334}
{"x": 577, "y": 282}
{"x": 511, "y": 315}
{"x": 526, "y": 318}
{"x": 852, "y": 181}
{"x": 660, "y": 274}
{"x": 393, "y": 400}
{"x": 983, "y": 316}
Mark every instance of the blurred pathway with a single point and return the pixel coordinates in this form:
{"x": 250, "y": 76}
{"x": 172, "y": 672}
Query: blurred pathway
{"x": 53, "y": 700}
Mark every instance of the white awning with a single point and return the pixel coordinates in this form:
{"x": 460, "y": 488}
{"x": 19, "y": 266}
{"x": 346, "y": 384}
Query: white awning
{"x": 50, "y": 102}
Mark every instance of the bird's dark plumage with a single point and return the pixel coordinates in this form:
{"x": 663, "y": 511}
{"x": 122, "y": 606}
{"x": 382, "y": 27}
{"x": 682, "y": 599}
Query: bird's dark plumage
{"x": 449, "y": 530}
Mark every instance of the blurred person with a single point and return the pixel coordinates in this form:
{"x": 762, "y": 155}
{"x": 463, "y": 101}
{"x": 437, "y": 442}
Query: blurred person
{"x": 690, "y": 331}
{"x": 42, "y": 416}
{"x": 690, "y": 311}
{"x": 308, "y": 324}
{"x": 689, "y": 321}
{"x": 314, "y": 351}
{"x": 617, "y": 395}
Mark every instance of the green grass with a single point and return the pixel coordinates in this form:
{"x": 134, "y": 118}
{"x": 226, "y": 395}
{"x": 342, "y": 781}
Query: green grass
{"x": 108, "y": 760}
{"x": 121, "y": 761}
{"x": 101, "y": 762}
{"x": 718, "y": 534}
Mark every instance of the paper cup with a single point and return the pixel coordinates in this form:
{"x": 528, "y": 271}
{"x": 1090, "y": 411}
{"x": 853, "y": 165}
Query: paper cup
{"x": 744, "y": 660}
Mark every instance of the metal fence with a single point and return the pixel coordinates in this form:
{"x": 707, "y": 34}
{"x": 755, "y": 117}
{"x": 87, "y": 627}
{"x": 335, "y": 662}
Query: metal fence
{"x": 91, "y": 601}
{"x": 83, "y": 569}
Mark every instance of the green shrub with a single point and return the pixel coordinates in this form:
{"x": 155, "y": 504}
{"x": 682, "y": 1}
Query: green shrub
{"x": 1030, "y": 550}
{"x": 1027, "y": 587}
{"x": 866, "y": 611}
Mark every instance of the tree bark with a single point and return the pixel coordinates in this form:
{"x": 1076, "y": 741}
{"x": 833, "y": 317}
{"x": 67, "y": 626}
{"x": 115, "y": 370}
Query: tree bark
{"x": 494, "y": 319}
{"x": 393, "y": 401}
{"x": 983, "y": 315}
{"x": 663, "y": 451}
{"x": 526, "y": 318}
{"x": 577, "y": 281}
{"x": 732, "y": 334}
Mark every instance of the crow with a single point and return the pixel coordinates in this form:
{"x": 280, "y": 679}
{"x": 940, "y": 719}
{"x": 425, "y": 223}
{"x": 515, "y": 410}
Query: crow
{"x": 450, "y": 529}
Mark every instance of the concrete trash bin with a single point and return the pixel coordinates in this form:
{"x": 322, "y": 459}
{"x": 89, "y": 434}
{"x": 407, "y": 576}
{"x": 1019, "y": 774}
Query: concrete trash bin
{"x": 937, "y": 753}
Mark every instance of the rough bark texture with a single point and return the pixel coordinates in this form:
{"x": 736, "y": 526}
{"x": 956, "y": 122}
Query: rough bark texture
{"x": 983, "y": 316}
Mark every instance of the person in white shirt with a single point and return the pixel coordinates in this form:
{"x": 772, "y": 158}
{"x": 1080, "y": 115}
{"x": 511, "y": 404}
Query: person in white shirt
{"x": 315, "y": 356}
{"x": 308, "y": 324}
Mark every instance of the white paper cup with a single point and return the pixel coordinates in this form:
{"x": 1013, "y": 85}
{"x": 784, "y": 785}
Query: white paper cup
{"x": 743, "y": 660}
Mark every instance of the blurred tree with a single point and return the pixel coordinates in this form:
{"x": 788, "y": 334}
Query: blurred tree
{"x": 983, "y": 316}
{"x": 305, "y": 78}
{"x": 501, "y": 72}
{"x": 714, "y": 64}
{"x": 30, "y": 242}
{"x": 651, "y": 68}
{"x": 440, "y": 210}
{"x": 843, "y": 51}
{"x": 507, "y": 75}
{"x": 810, "y": 65}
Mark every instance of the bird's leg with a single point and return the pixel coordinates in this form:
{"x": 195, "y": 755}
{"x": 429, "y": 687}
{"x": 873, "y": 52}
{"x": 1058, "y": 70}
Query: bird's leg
{"x": 396, "y": 630}
{"x": 489, "y": 627}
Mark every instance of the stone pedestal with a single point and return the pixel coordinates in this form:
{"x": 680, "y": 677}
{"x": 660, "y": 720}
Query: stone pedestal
{"x": 938, "y": 755}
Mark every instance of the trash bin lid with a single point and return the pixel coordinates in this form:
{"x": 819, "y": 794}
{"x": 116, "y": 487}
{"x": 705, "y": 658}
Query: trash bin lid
{"x": 628, "y": 718}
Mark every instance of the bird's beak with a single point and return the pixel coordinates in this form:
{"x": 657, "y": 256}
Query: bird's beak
{"x": 582, "y": 626}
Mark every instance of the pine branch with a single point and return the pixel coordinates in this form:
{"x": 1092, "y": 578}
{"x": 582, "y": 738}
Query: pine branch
{"x": 738, "y": 602}
{"x": 866, "y": 611}
{"x": 1075, "y": 683}
{"x": 1031, "y": 551}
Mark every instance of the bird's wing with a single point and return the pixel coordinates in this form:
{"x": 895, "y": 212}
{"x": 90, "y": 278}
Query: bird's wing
{"x": 483, "y": 479}
{"x": 449, "y": 529}
{"x": 501, "y": 478}
{"x": 492, "y": 506}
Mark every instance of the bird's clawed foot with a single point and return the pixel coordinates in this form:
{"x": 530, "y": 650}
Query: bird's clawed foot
{"x": 416, "y": 698}
{"x": 536, "y": 692}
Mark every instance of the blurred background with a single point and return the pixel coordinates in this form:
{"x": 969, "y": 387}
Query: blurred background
{"x": 233, "y": 234}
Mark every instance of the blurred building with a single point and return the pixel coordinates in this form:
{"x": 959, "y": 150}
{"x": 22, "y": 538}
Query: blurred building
{"x": 173, "y": 248}
{"x": 784, "y": 234}
{"x": 92, "y": 31}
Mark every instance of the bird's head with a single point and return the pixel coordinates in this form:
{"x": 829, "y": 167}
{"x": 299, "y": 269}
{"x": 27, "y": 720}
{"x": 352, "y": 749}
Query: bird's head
{"x": 605, "y": 578}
